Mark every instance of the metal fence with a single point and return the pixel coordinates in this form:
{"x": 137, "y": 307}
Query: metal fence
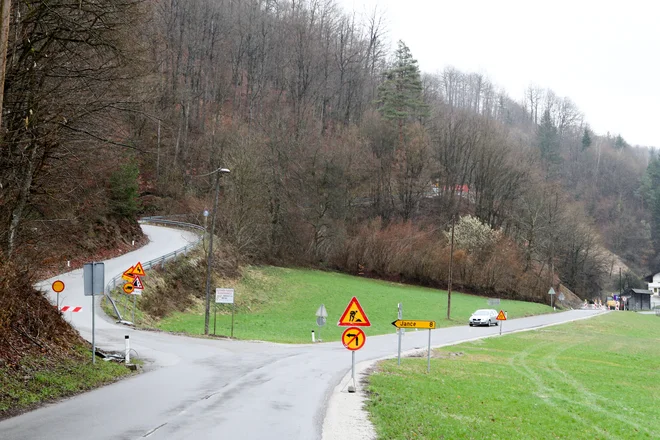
{"x": 156, "y": 262}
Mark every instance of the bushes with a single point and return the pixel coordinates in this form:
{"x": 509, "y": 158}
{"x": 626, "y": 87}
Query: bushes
{"x": 418, "y": 254}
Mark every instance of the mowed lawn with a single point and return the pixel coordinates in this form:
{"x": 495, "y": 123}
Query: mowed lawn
{"x": 592, "y": 379}
{"x": 279, "y": 304}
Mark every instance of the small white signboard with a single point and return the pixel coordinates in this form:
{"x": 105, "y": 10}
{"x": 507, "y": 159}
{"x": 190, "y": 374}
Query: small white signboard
{"x": 224, "y": 296}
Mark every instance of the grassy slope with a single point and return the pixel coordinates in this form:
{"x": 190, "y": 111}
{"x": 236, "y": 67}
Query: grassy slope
{"x": 39, "y": 378}
{"x": 590, "y": 379}
{"x": 278, "y": 304}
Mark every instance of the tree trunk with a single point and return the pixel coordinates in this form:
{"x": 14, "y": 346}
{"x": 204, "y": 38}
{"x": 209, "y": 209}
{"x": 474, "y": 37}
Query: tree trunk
{"x": 5, "y": 13}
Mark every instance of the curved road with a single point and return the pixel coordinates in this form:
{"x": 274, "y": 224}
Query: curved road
{"x": 213, "y": 389}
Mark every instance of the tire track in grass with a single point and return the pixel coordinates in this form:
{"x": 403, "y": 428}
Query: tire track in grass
{"x": 590, "y": 400}
{"x": 547, "y": 394}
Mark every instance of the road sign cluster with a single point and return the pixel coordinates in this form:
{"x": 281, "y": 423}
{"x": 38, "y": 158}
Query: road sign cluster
{"x": 353, "y": 317}
{"x": 133, "y": 277}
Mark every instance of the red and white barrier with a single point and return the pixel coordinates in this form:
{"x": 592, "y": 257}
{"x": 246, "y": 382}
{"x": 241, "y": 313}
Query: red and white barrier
{"x": 73, "y": 309}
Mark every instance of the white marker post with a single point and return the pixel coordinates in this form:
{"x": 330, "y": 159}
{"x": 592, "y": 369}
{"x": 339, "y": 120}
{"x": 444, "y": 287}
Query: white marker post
{"x": 127, "y": 355}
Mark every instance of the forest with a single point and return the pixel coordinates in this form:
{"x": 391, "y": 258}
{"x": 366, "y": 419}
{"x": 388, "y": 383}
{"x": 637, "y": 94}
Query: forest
{"x": 344, "y": 155}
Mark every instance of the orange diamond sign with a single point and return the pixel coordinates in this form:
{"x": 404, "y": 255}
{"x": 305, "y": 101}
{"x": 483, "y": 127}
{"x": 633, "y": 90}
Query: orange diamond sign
{"x": 354, "y": 316}
{"x": 501, "y": 316}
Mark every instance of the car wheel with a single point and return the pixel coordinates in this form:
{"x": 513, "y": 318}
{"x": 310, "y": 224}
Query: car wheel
{"x": 496, "y": 323}
{"x": 470, "y": 324}
{"x": 490, "y": 323}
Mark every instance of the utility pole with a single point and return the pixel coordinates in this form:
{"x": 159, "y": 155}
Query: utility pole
{"x": 209, "y": 261}
{"x": 451, "y": 264}
{"x": 5, "y": 13}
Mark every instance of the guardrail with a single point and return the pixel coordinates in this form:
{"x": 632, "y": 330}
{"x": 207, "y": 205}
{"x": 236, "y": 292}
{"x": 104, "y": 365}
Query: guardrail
{"x": 112, "y": 284}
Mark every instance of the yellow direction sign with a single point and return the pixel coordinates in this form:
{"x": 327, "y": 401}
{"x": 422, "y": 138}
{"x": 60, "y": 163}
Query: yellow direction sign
{"x": 58, "y": 286}
{"x": 353, "y": 338}
{"x": 128, "y": 288}
{"x": 413, "y": 323}
{"x": 138, "y": 270}
{"x": 354, "y": 315}
{"x": 501, "y": 316}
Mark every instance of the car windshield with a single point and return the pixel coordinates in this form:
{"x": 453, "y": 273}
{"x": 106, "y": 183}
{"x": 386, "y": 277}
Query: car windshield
{"x": 482, "y": 312}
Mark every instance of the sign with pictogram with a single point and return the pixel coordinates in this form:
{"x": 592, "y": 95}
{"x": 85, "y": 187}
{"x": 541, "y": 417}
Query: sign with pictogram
{"x": 501, "y": 316}
{"x": 58, "y": 286}
{"x": 128, "y": 274}
{"x": 413, "y": 323}
{"x": 353, "y": 338}
{"x": 354, "y": 315}
{"x": 137, "y": 283}
{"x": 138, "y": 270}
{"x": 128, "y": 288}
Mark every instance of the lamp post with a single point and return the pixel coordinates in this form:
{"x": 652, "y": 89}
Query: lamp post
{"x": 209, "y": 262}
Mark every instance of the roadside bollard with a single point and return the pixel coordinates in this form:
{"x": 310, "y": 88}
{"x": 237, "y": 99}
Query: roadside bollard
{"x": 127, "y": 356}
{"x": 313, "y": 336}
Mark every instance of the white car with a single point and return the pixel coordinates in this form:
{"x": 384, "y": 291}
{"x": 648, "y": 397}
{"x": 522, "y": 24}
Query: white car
{"x": 484, "y": 317}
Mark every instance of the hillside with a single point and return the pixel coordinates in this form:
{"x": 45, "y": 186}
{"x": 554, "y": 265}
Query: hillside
{"x": 343, "y": 153}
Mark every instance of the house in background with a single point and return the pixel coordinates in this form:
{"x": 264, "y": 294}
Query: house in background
{"x": 637, "y": 299}
{"x": 654, "y": 283}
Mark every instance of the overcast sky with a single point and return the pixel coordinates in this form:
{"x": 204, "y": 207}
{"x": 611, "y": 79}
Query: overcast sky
{"x": 604, "y": 55}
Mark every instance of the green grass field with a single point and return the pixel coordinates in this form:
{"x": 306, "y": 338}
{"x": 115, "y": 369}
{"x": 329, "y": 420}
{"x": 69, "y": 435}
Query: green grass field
{"x": 592, "y": 379}
{"x": 279, "y": 304}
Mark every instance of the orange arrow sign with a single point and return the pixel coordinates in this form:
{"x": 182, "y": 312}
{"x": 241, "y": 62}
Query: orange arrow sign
{"x": 353, "y": 338}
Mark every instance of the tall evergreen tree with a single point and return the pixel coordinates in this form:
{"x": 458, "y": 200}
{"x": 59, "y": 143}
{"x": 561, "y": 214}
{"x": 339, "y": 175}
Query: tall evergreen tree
{"x": 586, "y": 138}
{"x": 651, "y": 192}
{"x": 548, "y": 139}
{"x": 400, "y": 95}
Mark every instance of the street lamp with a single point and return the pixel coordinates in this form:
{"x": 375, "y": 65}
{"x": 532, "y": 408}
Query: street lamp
{"x": 209, "y": 262}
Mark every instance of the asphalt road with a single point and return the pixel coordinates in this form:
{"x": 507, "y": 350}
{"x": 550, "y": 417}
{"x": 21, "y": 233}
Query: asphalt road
{"x": 201, "y": 389}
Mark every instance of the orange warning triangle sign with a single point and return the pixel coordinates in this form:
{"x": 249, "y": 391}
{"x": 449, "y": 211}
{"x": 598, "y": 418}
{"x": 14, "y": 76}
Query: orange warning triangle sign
{"x": 354, "y": 315}
{"x": 138, "y": 270}
{"x": 128, "y": 274}
{"x": 137, "y": 283}
{"x": 501, "y": 316}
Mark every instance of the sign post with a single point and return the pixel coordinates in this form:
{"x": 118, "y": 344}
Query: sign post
{"x": 353, "y": 337}
{"x": 224, "y": 296}
{"x": 501, "y": 317}
{"x": 321, "y": 315}
{"x": 551, "y": 292}
{"x": 399, "y": 333}
{"x": 58, "y": 286}
{"x": 93, "y": 283}
{"x": 415, "y": 323}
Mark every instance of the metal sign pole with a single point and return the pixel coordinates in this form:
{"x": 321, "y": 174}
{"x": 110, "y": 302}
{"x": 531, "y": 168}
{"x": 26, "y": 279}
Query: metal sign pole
{"x": 233, "y": 308}
{"x": 501, "y": 325}
{"x": 398, "y": 330}
{"x": 134, "y": 306}
{"x": 351, "y": 389}
{"x": 215, "y": 315}
{"x": 428, "y": 366}
{"x": 93, "y": 326}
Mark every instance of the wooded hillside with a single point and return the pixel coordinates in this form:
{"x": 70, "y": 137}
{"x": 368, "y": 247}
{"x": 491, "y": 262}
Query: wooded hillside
{"x": 342, "y": 153}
